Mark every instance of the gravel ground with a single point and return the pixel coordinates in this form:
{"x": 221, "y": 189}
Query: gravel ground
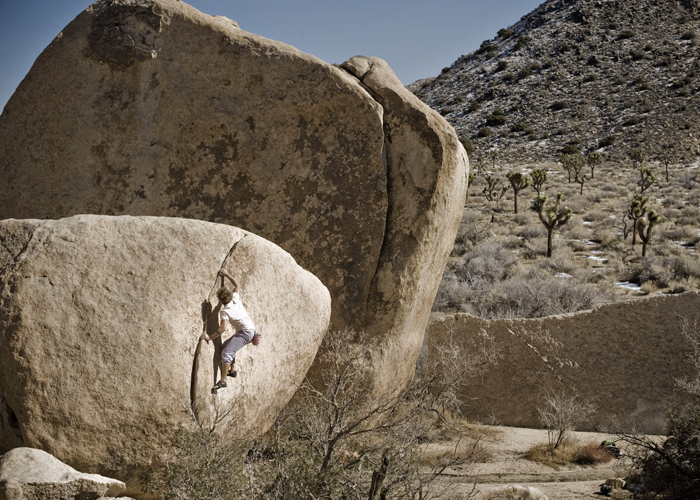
{"x": 507, "y": 466}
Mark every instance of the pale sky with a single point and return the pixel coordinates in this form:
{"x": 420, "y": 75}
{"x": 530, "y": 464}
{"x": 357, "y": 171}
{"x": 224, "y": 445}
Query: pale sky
{"x": 416, "y": 37}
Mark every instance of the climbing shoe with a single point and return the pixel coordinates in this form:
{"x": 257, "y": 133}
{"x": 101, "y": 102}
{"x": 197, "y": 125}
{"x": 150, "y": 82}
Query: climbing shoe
{"x": 219, "y": 385}
{"x": 232, "y": 373}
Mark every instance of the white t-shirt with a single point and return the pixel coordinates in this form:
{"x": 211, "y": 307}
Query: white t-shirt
{"x": 237, "y": 315}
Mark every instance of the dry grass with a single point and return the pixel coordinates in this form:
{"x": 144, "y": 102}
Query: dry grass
{"x": 571, "y": 451}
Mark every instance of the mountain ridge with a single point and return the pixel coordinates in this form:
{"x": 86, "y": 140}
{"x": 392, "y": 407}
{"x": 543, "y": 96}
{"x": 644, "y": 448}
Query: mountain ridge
{"x": 607, "y": 75}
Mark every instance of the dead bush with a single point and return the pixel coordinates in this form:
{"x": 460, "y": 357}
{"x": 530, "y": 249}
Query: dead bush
{"x": 532, "y": 232}
{"x": 487, "y": 262}
{"x": 535, "y": 295}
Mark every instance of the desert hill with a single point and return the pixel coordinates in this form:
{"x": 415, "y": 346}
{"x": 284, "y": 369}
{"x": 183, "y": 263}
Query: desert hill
{"x": 592, "y": 74}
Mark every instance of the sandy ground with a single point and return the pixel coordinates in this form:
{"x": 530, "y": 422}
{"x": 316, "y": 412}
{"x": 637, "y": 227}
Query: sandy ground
{"x": 507, "y": 466}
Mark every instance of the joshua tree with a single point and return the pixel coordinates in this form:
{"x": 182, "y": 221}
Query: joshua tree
{"x": 493, "y": 191}
{"x": 539, "y": 177}
{"x": 635, "y": 211}
{"x": 666, "y": 157}
{"x": 551, "y": 216}
{"x": 471, "y": 178}
{"x": 647, "y": 178}
{"x": 571, "y": 161}
{"x": 493, "y": 156}
{"x": 518, "y": 182}
{"x": 647, "y": 223}
{"x": 637, "y": 155}
{"x": 594, "y": 158}
{"x": 579, "y": 176}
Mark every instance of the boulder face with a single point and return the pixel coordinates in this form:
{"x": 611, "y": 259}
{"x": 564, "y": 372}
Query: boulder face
{"x": 101, "y": 316}
{"x": 30, "y": 474}
{"x": 149, "y": 107}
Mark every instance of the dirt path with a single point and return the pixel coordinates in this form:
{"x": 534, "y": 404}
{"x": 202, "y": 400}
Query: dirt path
{"x": 507, "y": 466}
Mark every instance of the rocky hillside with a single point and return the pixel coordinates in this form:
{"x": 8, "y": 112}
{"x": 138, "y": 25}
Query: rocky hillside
{"x": 589, "y": 74}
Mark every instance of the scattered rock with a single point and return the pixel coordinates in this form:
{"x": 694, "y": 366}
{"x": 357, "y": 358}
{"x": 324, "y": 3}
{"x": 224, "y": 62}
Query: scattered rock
{"x": 100, "y": 319}
{"x": 616, "y": 483}
{"x": 30, "y": 474}
{"x": 149, "y": 107}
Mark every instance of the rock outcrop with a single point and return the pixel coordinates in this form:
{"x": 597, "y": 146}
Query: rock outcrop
{"x": 30, "y": 474}
{"x": 100, "y": 319}
{"x": 625, "y": 358}
{"x": 149, "y": 107}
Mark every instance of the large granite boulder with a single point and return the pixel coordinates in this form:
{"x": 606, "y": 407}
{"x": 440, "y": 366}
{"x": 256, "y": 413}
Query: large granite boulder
{"x": 100, "y": 319}
{"x": 149, "y": 107}
{"x": 31, "y": 474}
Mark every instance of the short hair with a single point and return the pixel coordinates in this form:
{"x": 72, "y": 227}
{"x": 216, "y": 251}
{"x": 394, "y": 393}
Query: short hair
{"x": 224, "y": 295}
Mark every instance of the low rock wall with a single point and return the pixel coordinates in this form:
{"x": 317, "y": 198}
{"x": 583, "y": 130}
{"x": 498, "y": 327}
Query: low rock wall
{"x": 624, "y": 358}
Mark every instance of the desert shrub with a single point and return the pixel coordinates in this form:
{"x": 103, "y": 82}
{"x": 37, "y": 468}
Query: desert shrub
{"x": 638, "y": 54}
{"x": 592, "y": 453}
{"x": 561, "y": 412}
{"x": 607, "y": 240}
{"x": 452, "y": 294}
{"x": 501, "y": 65}
{"x": 524, "y": 73}
{"x": 522, "y": 219}
{"x": 532, "y": 232}
{"x": 485, "y": 132}
{"x": 559, "y": 105}
{"x": 606, "y": 141}
{"x": 505, "y": 32}
{"x": 474, "y": 227}
{"x": 571, "y": 451}
{"x": 562, "y": 261}
{"x": 590, "y": 77}
{"x": 688, "y": 35}
{"x": 535, "y": 295}
{"x": 485, "y": 46}
{"x": 497, "y": 118}
{"x": 522, "y": 42}
{"x": 650, "y": 270}
{"x": 468, "y": 145}
{"x": 676, "y": 233}
{"x": 595, "y": 216}
{"x": 683, "y": 82}
{"x": 508, "y": 77}
{"x": 633, "y": 120}
{"x": 522, "y": 127}
{"x": 627, "y": 34}
{"x": 488, "y": 262}
{"x": 685, "y": 266}
{"x": 200, "y": 468}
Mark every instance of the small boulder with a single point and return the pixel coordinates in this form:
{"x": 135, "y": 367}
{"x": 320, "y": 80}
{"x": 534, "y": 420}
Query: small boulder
{"x": 616, "y": 483}
{"x": 30, "y": 474}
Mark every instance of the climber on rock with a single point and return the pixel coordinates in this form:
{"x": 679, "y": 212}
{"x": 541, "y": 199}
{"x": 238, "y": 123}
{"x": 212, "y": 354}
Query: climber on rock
{"x": 232, "y": 312}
